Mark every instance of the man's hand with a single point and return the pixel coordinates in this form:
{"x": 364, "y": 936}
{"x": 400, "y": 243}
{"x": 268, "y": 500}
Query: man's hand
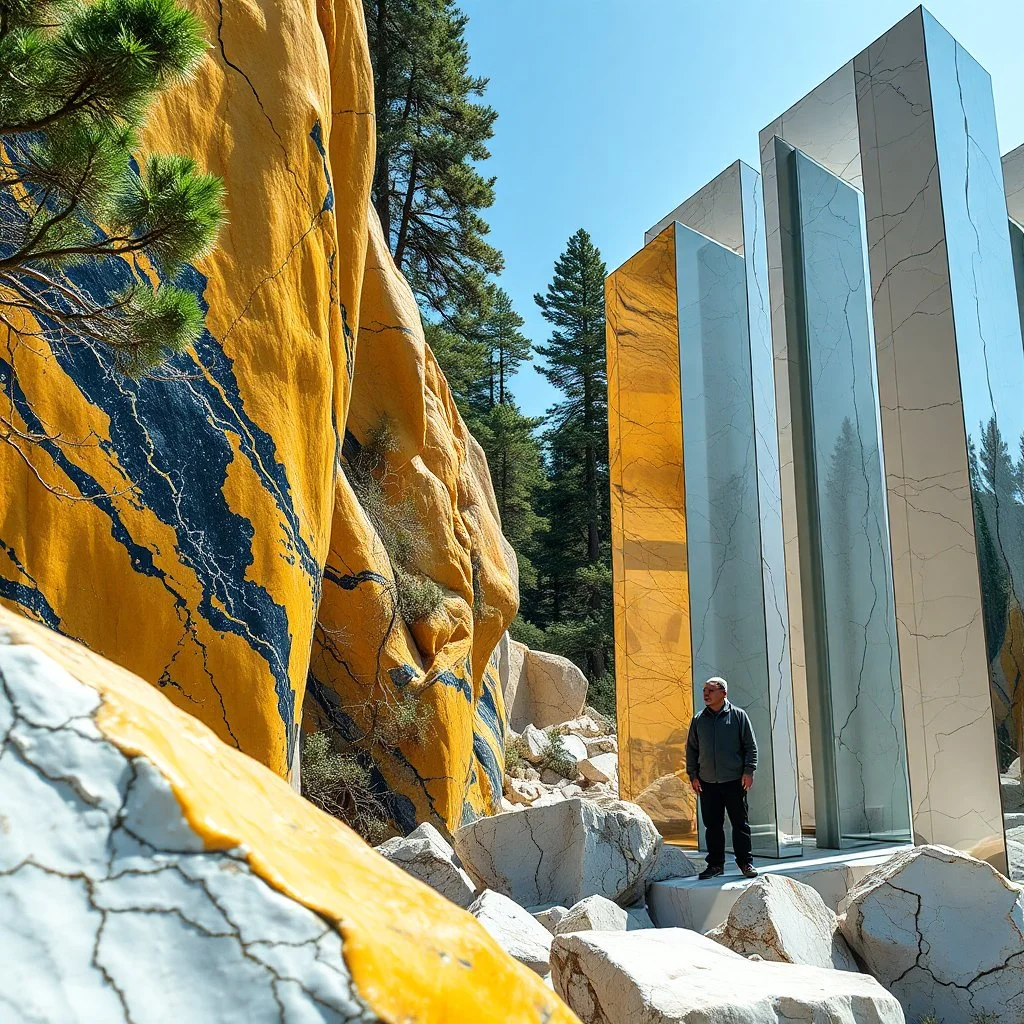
{"x": 747, "y": 780}
{"x": 695, "y": 784}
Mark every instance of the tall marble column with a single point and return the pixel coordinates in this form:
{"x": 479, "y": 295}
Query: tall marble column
{"x": 910, "y": 123}
{"x": 737, "y": 618}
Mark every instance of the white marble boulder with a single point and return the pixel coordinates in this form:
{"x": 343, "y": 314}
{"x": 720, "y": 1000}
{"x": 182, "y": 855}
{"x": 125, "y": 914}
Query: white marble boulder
{"x": 595, "y": 913}
{"x": 539, "y": 688}
{"x": 600, "y": 767}
{"x": 425, "y": 854}
{"x": 561, "y": 853}
{"x": 781, "y": 920}
{"x": 550, "y": 917}
{"x": 516, "y": 930}
{"x": 676, "y": 976}
{"x": 944, "y": 933}
{"x": 111, "y": 906}
{"x": 672, "y": 862}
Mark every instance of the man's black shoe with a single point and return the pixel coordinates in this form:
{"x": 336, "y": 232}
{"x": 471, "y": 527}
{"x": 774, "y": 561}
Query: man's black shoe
{"x": 710, "y": 873}
{"x": 749, "y": 871}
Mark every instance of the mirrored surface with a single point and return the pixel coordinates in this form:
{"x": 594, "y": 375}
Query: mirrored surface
{"x": 727, "y": 616}
{"x": 860, "y": 696}
{"x": 991, "y": 364}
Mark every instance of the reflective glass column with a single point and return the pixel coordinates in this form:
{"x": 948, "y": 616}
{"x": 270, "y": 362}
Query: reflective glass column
{"x": 857, "y": 724}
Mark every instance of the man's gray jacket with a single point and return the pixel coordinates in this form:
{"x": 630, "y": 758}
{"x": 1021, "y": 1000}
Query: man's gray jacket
{"x": 720, "y": 747}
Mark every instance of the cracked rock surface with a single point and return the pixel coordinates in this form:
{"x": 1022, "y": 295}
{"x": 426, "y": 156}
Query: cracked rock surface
{"x": 562, "y": 852}
{"x": 516, "y": 930}
{"x": 944, "y": 933}
{"x": 110, "y": 907}
{"x": 676, "y": 976}
{"x": 151, "y": 874}
{"x": 596, "y": 914}
{"x": 425, "y": 854}
{"x": 782, "y": 920}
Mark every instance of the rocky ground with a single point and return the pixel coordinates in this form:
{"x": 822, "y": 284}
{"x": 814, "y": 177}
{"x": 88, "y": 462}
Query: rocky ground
{"x": 560, "y": 880}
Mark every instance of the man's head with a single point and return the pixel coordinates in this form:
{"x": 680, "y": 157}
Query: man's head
{"x": 715, "y": 691}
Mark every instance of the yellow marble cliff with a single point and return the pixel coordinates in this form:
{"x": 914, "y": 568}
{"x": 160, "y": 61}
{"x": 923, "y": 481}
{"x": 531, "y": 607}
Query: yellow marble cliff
{"x": 198, "y": 527}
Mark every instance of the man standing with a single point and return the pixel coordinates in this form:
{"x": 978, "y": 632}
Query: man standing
{"x": 721, "y": 758}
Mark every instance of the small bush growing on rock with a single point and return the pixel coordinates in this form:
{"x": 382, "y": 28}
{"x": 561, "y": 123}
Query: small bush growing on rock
{"x": 515, "y": 758}
{"x": 402, "y": 719}
{"x": 557, "y": 758}
{"x": 341, "y": 785}
{"x": 397, "y": 521}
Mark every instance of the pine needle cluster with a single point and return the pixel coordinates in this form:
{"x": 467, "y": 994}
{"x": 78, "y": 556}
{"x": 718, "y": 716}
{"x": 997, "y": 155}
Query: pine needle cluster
{"x": 76, "y": 82}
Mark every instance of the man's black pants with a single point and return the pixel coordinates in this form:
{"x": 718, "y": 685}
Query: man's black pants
{"x": 717, "y": 798}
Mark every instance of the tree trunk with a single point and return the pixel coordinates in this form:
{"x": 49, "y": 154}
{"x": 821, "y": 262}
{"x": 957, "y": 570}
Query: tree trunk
{"x": 501, "y": 374}
{"x": 403, "y": 230}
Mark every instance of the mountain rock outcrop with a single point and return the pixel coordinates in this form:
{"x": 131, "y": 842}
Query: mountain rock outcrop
{"x": 200, "y": 526}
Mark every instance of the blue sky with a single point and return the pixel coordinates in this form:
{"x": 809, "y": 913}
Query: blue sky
{"x": 611, "y": 112}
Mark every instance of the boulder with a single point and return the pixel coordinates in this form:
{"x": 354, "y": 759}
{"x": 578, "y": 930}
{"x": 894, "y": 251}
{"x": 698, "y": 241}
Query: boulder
{"x": 672, "y": 862}
{"x": 595, "y": 913}
{"x": 675, "y": 976}
{"x": 1013, "y": 771}
{"x": 574, "y": 747}
{"x": 600, "y": 768}
{"x": 427, "y": 855}
{"x": 550, "y": 917}
{"x": 514, "y": 929}
{"x": 944, "y": 932}
{"x": 150, "y": 872}
{"x": 557, "y": 688}
{"x": 781, "y": 920}
{"x": 570, "y": 789}
{"x": 562, "y": 853}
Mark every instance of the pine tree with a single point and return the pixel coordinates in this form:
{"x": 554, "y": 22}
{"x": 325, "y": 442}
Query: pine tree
{"x": 76, "y": 81}
{"x": 517, "y": 474}
{"x": 431, "y": 134}
{"x": 577, "y": 562}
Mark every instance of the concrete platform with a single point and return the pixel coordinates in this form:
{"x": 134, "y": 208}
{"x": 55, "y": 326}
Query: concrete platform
{"x": 690, "y": 903}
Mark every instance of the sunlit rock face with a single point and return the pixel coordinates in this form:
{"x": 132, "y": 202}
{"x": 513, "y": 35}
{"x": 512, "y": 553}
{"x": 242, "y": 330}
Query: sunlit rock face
{"x": 196, "y": 526}
{"x": 149, "y": 873}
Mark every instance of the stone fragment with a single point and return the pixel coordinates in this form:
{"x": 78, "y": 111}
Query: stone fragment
{"x": 781, "y": 920}
{"x": 601, "y": 745}
{"x": 552, "y": 778}
{"x": 514, "y": 929}
{"x": 584, "y": 726}
{"x": 550, "y": 917}
{"x": 427, "y": 855}
{"x": 520, "y": 791}
{"x": 557, "y": 688}
{"x": 944, "y": 933}
{"x": 600, "y": 768}
{"x": 675, "y": 976}
{"x": 562, "y": 853}
{"x": 507, "y": 805}
{"x": 570, "y": 789}
{"x": 595, "y": 913}
{"x": 672, "y": 862}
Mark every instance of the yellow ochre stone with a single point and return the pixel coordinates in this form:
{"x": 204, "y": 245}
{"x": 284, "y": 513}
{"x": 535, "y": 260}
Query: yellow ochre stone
{"x": 413, "y": 956}
{"x": 196, "y": 527}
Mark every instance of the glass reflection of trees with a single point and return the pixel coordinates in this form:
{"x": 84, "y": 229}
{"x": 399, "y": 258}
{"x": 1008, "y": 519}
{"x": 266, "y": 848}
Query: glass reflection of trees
{"x": 997, "y": 488}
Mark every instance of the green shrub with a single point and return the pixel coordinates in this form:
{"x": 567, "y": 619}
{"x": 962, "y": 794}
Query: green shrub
{"x": 515, "y": 758}
{"x": 402, "y": 719}
{"x": 557, "y": 758}
{"x": 396, "y": 520}
{"x": 341, "y": 785}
